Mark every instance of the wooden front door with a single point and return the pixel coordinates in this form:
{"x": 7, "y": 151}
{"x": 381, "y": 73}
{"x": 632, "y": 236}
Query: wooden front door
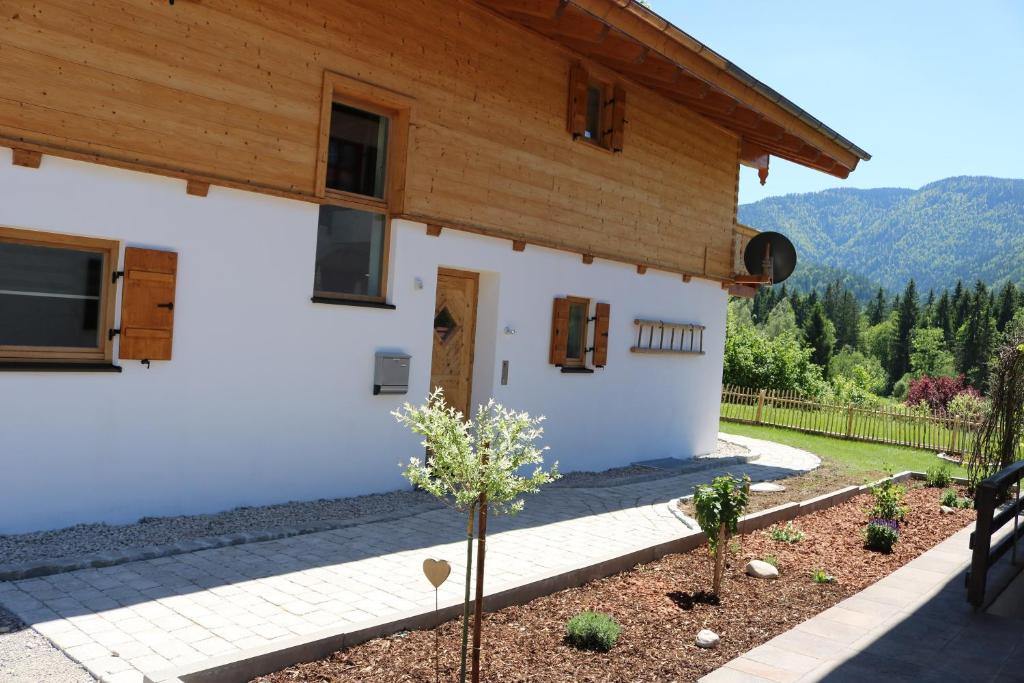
{"x": 454, "y": 336}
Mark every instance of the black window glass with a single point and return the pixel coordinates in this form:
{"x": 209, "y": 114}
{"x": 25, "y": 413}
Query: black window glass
{"x": 594, "y": 104}
{"x": 577, "y": 328}
{"x": 357, "y": 151}
{"x": 349, "y": 252}
{"x": 49, "y": 296}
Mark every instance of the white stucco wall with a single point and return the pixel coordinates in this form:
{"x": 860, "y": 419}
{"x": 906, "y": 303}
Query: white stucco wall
{"x": 269, "y": 396}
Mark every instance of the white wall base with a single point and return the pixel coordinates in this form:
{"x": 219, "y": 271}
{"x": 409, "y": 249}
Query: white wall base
{"x": 269, "y": 396}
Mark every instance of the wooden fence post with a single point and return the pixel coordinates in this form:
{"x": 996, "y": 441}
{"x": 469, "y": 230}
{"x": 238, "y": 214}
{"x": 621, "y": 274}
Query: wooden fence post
{"x": 952, "y": 439}
{"x": 849, "y": 422}
{"x": 760, "y": 406}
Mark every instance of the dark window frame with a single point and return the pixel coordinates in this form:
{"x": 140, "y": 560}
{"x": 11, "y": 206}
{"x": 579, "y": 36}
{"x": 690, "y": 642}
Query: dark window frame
{"x": 110, "y": 250}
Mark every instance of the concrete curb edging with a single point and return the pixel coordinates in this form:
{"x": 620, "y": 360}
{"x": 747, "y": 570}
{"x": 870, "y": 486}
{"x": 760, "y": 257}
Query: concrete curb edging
{"x": 242, "y": 667}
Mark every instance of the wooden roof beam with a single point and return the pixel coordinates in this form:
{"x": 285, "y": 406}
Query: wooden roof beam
{"x": 544, "y": 9}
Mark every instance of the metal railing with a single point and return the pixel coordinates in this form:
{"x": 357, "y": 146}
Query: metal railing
{"x": 993, "y": 514}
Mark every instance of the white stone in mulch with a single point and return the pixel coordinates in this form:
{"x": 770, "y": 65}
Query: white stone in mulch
{"x": 707, "y": 639}
{"x": 767, "y": 487}
{"x": 946, "y": 510}
{"x": 761, "y": 570}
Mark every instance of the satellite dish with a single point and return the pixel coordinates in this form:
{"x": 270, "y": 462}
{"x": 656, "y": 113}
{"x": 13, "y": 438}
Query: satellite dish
{"x": 770, "y": 255}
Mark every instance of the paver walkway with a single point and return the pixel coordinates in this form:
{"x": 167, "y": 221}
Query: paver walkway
{"x": 912, "y": 626}
{"x": 144, "y": 617}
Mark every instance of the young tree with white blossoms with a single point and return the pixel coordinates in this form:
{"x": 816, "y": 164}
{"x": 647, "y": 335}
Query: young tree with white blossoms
{"x": 474, "y": 467}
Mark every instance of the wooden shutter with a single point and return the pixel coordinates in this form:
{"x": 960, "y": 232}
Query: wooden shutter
{"x": 147, "y": 304}
{"x": 618, "y": 118}
{"x": 602, "y": 318}
{"x": 559, "y": 331}
{"x": 579, "y": 81}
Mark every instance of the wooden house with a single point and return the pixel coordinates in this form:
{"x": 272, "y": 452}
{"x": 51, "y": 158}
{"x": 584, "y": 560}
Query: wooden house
{"x": 235, "y": 235}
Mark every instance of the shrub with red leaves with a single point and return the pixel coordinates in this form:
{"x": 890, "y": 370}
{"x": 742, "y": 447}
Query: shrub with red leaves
{"x": 937, "y": 392}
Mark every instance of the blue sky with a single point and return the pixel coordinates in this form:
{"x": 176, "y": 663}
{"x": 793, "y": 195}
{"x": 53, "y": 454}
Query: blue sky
{"x": 931, "y": 89}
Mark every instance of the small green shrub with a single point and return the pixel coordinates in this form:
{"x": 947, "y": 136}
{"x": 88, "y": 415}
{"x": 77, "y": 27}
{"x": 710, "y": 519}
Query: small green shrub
{"x": 950, "y": 498}
{"x": 772, "y": 560}
{"x": 889, "y": 501}
{"x": 822, "y": 576}
{"x": 938, "y": 477}
{"x": 719, "y": 506}
{"x": 786, "y": 534}
{"x": 881, "y": 535}
{"x": 593, "y": 631}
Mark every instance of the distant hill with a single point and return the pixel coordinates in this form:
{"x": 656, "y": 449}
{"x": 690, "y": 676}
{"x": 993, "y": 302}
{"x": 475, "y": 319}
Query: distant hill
{"x": 965, "y": 227}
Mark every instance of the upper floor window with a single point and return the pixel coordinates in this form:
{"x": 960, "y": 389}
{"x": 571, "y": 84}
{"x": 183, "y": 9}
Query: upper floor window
{"x": 597, "y": 115}
{"x": 357, "y": 151}
{"x": 56, "y": 296}
{"x": 597, "y": 110}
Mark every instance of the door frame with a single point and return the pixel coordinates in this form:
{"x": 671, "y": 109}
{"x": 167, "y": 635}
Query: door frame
{"x": 475, "y": 277}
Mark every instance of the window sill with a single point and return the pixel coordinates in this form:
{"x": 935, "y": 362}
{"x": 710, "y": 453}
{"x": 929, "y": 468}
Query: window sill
{"x": 59, "y": 366}
{"x": 352, "y": 302}
{"x": 577, "y": 371}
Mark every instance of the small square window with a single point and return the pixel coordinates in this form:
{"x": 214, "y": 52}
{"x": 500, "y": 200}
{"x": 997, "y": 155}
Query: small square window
{"x": 357, "y": 151}
{"x": 350, "y": 253}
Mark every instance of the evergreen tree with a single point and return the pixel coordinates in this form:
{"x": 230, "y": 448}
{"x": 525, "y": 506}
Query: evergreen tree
{"x": 1007, "y": 306}
{"x": 943, "y": 319}
{"x": 818, "y": 336}
{"x": 847, "y": 322}
{"x": 876, "y": 309}
{"x": 800, "y": 308}
{"x": 976, "y": 340}
{"x": 928, "y": 314}
{"x": 832, "y": 301}
{"x": 906, "y": 321}
{"x": 961, "y": 300}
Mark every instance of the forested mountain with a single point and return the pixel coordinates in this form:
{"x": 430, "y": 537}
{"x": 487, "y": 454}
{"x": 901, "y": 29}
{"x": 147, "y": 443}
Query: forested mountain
{"x": 966, "y": 228}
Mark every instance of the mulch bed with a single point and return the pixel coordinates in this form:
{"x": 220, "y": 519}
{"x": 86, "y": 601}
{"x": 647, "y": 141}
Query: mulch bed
{"x": 661, "y": 607}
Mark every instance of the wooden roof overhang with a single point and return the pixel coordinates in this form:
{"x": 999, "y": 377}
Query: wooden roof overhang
{"x": 630, "y": 39}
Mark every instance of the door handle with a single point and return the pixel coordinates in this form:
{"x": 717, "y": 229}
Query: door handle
{"x": 168, "y": 306}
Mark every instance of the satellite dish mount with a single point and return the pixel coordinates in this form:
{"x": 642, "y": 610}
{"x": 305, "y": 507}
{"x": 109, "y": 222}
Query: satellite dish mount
{"x": 770, "y": 258}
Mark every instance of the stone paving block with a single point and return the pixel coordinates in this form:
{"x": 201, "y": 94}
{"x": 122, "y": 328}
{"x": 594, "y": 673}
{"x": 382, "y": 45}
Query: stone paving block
{"x": 213, "y": 646}
{"x": 762, "y": 670}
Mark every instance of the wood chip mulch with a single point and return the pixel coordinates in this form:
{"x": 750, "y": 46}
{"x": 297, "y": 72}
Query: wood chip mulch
{"x": 661, "y": 607}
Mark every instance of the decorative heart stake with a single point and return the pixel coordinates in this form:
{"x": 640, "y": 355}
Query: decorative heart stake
{"x": 436, "y": 571}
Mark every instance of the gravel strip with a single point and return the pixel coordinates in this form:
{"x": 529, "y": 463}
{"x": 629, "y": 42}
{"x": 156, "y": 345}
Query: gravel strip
{"x": 92, "y": 539}
{"x": 27, "y": 657}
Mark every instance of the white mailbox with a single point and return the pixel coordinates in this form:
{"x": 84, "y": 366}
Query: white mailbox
{"x": 391, "y": 373}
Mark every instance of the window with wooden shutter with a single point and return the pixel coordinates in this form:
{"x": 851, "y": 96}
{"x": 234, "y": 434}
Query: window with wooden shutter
{"x": 602, "y": 315}
{"x": 597, "y": 110}
{"x": 147, "y": 304}
{"x": 559, "y": 331}
{"x": 618, "y": 118}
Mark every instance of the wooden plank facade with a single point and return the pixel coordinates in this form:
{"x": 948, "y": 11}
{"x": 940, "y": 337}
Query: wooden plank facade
{"x": 230, "y": 92}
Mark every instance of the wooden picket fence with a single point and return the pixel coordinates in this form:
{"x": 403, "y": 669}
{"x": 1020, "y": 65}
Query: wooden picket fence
{"x": 895, "y": 425}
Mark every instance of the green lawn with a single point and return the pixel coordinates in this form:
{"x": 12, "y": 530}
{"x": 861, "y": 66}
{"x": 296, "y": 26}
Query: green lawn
{"x": 855, "y": 458}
